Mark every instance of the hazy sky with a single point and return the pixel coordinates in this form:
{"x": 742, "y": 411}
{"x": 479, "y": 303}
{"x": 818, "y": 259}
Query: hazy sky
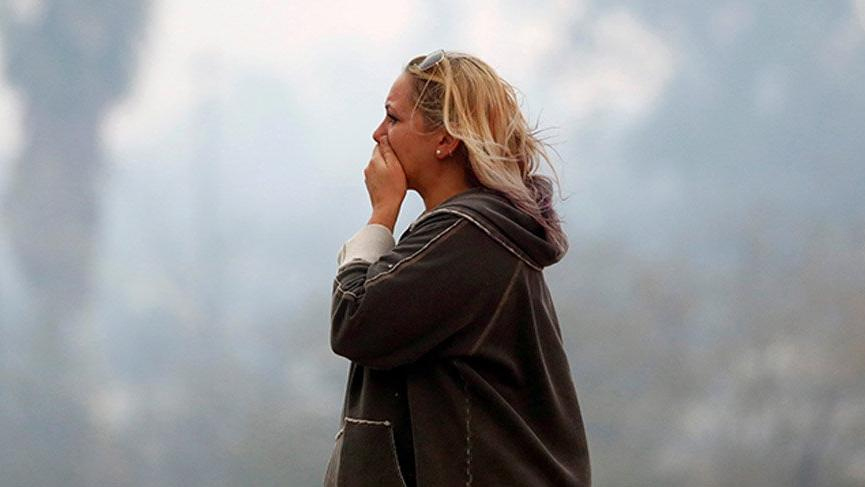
{"x": 338, "y": 59}
{"x": 299, "y": 88}
{"x": 728, "y": 130}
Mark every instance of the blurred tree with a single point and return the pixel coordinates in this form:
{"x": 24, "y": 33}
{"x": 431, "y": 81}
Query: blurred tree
{"x": 69, "y": 61}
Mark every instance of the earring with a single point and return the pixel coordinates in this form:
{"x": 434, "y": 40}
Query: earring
{"x": 438, "y": 152}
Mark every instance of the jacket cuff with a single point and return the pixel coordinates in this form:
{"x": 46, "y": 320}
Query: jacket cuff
{"x": 368, "y": 244}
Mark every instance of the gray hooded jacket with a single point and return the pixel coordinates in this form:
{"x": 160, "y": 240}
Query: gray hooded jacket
{"x": 458, "y": 372}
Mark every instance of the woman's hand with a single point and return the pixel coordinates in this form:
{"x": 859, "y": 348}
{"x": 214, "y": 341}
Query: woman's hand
{"x": 385, "y": 183}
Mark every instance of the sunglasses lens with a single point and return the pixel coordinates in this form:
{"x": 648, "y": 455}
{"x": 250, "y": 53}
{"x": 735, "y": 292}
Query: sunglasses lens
{"x": 431, "y": 60}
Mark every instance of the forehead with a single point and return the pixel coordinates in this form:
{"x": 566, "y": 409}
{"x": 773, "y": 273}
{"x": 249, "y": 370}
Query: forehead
{"x": 399, "y": 97}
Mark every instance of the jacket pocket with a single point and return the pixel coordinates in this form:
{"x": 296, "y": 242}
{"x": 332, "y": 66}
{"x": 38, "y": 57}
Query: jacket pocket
{"x": 364, "y": 455}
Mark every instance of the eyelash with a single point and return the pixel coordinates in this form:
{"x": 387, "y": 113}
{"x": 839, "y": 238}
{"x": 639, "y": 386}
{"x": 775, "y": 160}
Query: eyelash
{"x": 392, "y": 118}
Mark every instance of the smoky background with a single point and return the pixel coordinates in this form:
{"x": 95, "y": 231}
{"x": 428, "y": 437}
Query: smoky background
{"x": 176, "y": 179}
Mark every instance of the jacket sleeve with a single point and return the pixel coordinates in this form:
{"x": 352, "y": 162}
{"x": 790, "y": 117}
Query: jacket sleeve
{"x": 444, "y": 275}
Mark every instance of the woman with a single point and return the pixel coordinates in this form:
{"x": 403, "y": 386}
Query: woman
{"x": 458, "y": 373}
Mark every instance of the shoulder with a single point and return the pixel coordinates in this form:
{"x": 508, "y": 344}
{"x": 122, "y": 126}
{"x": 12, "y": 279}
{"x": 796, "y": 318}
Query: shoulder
{"x": 470, "y": 223}
{"x": 464, "y": 232}
{"x": 439, "y": 222}
{"x": 449, "y": 222}
{"x": 431, "y": 220}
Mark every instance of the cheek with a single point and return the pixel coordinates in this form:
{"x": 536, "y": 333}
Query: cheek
{"x": 398, "y": 140}
{"x": 403, "y": 149}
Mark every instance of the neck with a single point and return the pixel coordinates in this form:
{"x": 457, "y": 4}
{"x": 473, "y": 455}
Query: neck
{"x": 436, "y": 195}
{"x": 451, "y": 180}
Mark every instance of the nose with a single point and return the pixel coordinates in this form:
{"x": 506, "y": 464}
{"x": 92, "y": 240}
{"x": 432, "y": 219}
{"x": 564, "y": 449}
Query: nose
{"x": 379, "y": 132}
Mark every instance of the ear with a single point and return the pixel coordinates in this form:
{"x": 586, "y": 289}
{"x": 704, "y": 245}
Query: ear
{"x": 446, "y": 146}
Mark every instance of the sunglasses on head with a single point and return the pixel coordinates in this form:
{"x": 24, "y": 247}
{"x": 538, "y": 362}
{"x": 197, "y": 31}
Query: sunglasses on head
{"x": 431, "y": 60}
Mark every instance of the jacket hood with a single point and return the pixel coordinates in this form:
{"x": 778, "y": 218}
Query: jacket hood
{"x": 498, "y": 217}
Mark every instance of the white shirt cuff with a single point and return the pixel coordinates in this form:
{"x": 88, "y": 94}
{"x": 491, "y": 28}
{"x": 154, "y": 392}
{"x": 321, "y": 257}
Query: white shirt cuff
{"x": 368, "y": 244}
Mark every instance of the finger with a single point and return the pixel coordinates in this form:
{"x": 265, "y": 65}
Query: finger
{"x": 377, "y": 156}
{"x": 386, "y": 150}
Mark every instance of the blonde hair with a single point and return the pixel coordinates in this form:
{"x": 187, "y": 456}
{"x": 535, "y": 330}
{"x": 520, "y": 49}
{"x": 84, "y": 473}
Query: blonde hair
{"x": 476, "y": 106}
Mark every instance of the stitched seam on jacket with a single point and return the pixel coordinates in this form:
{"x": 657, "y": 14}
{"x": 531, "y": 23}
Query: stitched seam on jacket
{"x": 343, "y": 291}
{"x": 367, "y": 421}
{"x": 395, "y": 458}
{"x": 339, "y": 284}
{"x": 498, "y": 310}
{"x": 412, "y": 256}
{"x": 420, "y": 219}
{"x": 491, "y": 234}
{"x": 468, "y": 431}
